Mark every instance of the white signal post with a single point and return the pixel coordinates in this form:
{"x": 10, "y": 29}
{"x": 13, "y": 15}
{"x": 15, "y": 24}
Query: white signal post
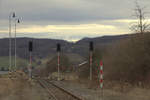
{"x": 101, "y": 79}
{"x": 30, "y": 66}
{"x": 30, "y": 58}
{"x": 58, "y": 61}
{"x": 91, "y": 60}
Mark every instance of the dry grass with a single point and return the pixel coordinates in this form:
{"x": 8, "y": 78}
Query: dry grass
{"x": 20, "y": 89}
{"x": 113, "y": 93}
{"x": 128, "y": 61}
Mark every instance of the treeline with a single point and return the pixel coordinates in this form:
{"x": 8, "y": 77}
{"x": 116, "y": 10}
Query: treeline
{"x": 125, "y": 61}
{"x": 129, "y": 60}
{"x": 51, "y": 66}
{"x": 4, "y": 69}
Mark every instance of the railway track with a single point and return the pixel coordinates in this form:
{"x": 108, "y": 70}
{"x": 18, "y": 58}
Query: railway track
{"x": 57, "y": 93}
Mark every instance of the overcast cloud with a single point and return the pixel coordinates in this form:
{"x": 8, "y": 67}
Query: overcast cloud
{"x": 69, "y": 18}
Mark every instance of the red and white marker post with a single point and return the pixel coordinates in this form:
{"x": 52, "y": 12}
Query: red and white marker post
{"x": 101, "y": 78}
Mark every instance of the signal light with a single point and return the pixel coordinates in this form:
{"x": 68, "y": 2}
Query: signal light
{"x": 58, "y": 47}
{"x": 91, "y": 46}
{"x": 14, "y": 15}
{"x": 30, "y": 46}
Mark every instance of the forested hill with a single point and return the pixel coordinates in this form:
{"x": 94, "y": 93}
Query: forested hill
{"x": 45, "y": 47}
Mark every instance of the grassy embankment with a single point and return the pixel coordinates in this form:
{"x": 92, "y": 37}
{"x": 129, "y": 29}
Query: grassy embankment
{"x": 4, "y": 63}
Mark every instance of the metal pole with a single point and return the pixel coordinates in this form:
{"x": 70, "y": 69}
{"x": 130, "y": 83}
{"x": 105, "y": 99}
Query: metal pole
{"x": 10, "y": 61}
{"x": 16, "y": 21}
{"x": 91, "y": 60}
{"x": 9, "y": 42}
{"x": 30, "y": 66}
{"x": 58, "y": 65}
{"x": 30, "y": 58}
{"x": 15, "y": 47}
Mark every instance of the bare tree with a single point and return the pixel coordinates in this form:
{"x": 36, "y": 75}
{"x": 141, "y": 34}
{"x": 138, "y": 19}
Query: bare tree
{"x": 141, "y": 25}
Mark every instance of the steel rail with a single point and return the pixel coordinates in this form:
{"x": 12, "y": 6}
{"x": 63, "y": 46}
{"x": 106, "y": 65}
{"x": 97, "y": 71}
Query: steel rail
{"x": 43, "y": 84}
{"x": 65, "y": 91}
{"x": 49, "y": 85}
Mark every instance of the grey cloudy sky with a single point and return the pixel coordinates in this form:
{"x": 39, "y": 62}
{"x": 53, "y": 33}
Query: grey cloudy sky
{"x": 69, "y": 19}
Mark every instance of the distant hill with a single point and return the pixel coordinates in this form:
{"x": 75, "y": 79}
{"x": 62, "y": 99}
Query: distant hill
{"x": 46, "y": 47}
{"x": 102, "y": 40}
{"x": 82, "y": 46}
{"x": 41, "y": 47}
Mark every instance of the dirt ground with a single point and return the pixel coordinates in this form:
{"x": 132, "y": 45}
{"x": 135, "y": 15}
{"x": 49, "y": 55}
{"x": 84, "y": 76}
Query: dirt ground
{"x": 84, "y": 91}
{"x": 21, "y": 89}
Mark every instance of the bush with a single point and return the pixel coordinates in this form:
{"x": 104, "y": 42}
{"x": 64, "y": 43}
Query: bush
{"x": 84, "y": 70}
{"x": 51, "y": 65}
{"x": 2, "y": 69}
{"x": 129, "y": 60}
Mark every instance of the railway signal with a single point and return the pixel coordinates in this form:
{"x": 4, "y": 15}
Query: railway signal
{"x": 58, "y": 60}
{"x": 30, "y": 46}
{"x": 30, "y": 64}
{"x": 91, "y": 48}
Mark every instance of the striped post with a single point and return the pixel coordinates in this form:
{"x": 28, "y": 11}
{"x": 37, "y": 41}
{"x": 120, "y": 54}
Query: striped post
{"x": 101, "y": 79}
{"x": 101, "y": 74}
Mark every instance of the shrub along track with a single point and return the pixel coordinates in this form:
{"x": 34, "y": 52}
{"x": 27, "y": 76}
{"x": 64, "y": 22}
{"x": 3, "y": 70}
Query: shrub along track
{"x": 57, "y": 93}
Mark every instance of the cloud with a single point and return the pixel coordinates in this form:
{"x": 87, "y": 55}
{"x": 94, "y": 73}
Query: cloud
{"x": 70, "y": 28}
{"x": 69, "y": 11}
{"x": 71, "y": 19}
{"x": 70, "y": 32}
